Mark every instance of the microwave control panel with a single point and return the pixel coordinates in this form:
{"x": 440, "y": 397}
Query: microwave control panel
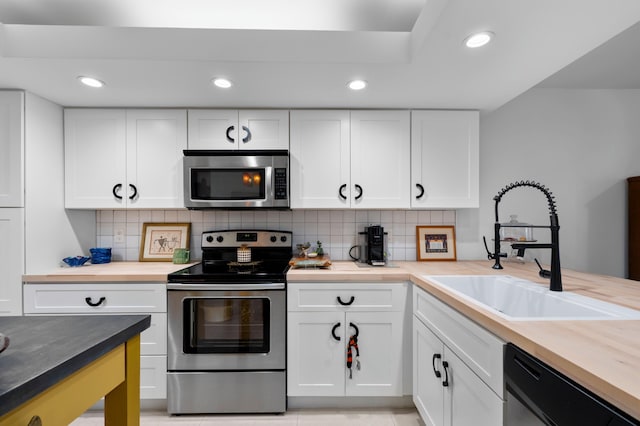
{"x": 280, "y": 183}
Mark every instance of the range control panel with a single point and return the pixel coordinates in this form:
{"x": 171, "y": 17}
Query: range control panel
{"x": 248, "y": 238}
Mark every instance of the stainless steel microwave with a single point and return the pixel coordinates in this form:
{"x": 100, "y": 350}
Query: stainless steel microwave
{"x": 236, "y": 179}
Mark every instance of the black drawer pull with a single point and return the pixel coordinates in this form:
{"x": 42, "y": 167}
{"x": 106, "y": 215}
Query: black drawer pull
{"x": 355, "y": 328}
{"x": 115, "y": 190}
{"x": 35, "y": 421}
{"x": 445, "y": 382}
{"x": 333, "y": 332}
{"x": 342, "y": 188}
{"x": 421, "y": 188}
{"x": 135, "y": 191}
{"x": 433, "y": 363}
{"x": 345, "y": 303}
{"x": 90, "y": 301}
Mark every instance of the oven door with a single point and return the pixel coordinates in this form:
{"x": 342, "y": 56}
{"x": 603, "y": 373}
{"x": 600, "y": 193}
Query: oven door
{"x": 227, "y": 328}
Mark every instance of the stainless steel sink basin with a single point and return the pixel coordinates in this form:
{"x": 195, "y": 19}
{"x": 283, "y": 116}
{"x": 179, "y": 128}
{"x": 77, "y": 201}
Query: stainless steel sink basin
{"x": 517, "y": 299}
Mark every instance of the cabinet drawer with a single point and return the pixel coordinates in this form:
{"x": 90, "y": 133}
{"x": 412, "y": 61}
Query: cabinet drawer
{"x": 480, "y": 350}
{"x": 153, "y": 377}
{"x": 362, "y": 296}
{"x": 107, "y": 298}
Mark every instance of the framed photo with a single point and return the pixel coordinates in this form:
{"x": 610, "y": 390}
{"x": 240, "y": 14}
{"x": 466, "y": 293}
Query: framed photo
{"x": 159, "y": 240}
{"x": 436, "y": 242}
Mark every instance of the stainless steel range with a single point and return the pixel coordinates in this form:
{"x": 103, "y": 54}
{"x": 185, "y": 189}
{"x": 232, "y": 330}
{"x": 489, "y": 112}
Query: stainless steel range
{"x": 227, "y": 325}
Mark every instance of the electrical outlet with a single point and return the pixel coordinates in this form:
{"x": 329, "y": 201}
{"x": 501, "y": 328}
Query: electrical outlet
{"x": 118, "y": 235}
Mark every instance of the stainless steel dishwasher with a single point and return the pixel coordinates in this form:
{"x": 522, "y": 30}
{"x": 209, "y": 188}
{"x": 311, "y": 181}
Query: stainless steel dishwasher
{"x": 539, "y": 395}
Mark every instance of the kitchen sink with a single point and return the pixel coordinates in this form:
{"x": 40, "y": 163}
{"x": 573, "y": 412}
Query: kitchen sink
{"x": 516, "y": 299}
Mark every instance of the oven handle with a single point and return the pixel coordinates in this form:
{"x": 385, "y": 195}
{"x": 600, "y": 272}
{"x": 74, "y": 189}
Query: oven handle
{"x": 226, "y": 287}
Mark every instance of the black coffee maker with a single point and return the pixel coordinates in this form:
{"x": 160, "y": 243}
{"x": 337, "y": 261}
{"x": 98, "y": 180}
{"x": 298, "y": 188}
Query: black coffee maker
{"x": 374, "y": 237}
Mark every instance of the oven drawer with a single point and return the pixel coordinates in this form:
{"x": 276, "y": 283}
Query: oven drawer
{"x": 319, "y": 296}
{"x": 94, "y": 298}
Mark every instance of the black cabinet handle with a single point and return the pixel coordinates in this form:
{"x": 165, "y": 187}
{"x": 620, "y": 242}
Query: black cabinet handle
{"x": 433, "y": 363}
{"x": 135, "y": 191}
{"x": 98, "y": 303}
{"x": 445, "y": 382}
{"x": 351, "y": 300}
{"x": 247, "y": 138}
{"x": 333, "y": 332}
{"x": 359, "y": 188}
{"x": 355, "y": 327}
{"x": 342, "y": 188}
{"x": 35, "y": 421}
{"x": 115, "y": 190}
{"x": 421, "y": 188}
{"x": 229, "y": 130}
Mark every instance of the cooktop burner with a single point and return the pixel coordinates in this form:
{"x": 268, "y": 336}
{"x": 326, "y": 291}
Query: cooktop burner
{"x": 240, "y": 256}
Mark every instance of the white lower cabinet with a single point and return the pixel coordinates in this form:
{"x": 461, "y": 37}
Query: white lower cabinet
{"x": 114, "y": 299}
{"x": 321, "y": 319}
{"x": 457, "y": 380}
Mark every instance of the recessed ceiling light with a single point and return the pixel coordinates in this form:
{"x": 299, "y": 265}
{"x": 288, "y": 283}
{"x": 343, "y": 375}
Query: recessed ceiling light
{"x": 223, "y": 83}
{"x": 90, "y": 81}
{"x": 357, "y": 84}
{"x": 478, "y": 39}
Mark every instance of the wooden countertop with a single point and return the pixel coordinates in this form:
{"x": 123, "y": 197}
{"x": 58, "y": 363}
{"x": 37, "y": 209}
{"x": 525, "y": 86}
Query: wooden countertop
{"x": 603, "y": 356}
{"x": 109, "y": 272}
{"x": 44, "y": 350}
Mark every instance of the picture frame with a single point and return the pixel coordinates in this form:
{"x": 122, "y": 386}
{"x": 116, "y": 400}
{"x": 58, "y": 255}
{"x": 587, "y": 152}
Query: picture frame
{"x": 159, "y": 240}
{"x": 435, "y": 242}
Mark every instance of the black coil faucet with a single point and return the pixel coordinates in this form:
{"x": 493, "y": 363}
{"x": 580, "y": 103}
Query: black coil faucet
{"x": 555, "y": 276}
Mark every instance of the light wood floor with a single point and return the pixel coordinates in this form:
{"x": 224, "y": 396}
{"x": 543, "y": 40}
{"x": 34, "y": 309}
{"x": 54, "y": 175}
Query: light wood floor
{"x": 296, "y": 417}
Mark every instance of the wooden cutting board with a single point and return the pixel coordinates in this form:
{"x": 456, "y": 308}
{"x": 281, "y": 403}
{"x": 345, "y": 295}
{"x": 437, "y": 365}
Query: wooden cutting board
{"x": 311, "y": 262}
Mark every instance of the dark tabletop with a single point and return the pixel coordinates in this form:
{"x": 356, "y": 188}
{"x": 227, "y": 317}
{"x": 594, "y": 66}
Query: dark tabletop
{"x": 46, "y": 349}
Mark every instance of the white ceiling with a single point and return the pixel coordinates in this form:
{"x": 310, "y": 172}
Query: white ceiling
{"x": 301, "y": 53}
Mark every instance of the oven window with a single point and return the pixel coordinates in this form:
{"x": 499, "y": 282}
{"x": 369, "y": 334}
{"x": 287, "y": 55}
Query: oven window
{"x": 228, "y": 184}
{"x": 226, "y": 325}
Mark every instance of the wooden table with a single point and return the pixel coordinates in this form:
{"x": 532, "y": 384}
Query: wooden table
{"x": 56, "y": 367}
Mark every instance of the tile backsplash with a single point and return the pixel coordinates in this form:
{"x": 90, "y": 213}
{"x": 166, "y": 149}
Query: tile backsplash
{"x": 336, "y": 229}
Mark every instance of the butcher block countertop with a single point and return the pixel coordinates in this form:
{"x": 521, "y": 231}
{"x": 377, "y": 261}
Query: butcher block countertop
{"x": 108, "y": 272}
{"x": 603, "y": 356}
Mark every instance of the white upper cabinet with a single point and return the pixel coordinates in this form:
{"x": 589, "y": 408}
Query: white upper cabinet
{"x": 320, "y": 159}
{"x": 444, "y": 159}
{"x": 11, "y": 149}
{"x": 380, "y": 159}
{"x": 118, "y": 158}
{"x": 225, "y": 129}
{"x": 350, "y": 159}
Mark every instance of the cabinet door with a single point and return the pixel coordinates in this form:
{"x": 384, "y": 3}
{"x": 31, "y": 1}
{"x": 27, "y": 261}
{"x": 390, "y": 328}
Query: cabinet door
{"x": 468, "y": 400}
{"x": 155, "y": 141}
{"x": 444, "y": 159}
{"x": 11, "y": 260}
{"x": 263, "y": 129}
{"x": 213, "y": 129}
{"x": 315, "y": 359}
{"x": 380, "y": 344}
{"x": 11, "y": 149}
{"x": 320, "y": 159}
{"x": 380, "y": 159}
{"x": 94, "y": 155}
{"x": 428, "y": 392}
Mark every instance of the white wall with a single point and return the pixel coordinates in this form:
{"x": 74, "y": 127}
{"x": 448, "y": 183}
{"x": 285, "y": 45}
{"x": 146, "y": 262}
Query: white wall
{"x": 582, "y": 144}
{"x": 51, "y": 232}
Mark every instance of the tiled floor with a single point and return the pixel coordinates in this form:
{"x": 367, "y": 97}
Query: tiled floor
{"x": 300, "y": 417}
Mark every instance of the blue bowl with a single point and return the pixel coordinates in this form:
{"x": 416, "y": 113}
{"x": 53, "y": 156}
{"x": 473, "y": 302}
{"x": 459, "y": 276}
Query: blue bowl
{"x": 76, "y": 261}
